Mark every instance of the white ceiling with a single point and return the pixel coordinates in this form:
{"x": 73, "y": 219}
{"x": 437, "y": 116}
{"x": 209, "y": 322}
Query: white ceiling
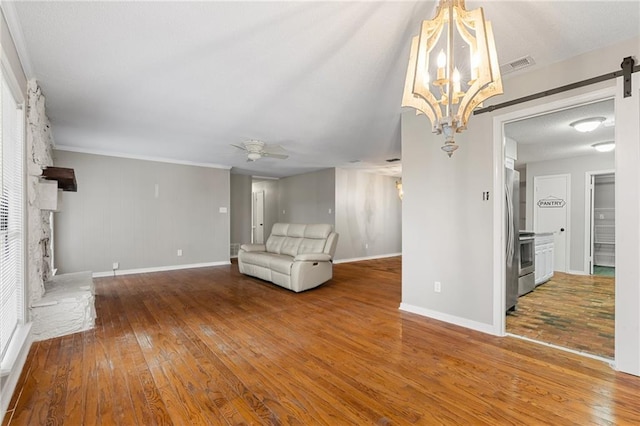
{"x": 184, "y": 80}
{"x": 550, "y": 136}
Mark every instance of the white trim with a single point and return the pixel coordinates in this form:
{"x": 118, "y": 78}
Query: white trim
{"x": 13, "y": 364}
{"x": 10, "y": 77}
{"x": 358, "y": 259}
{"x": 572, "y": 272}
{"x": 499, "y": 121}
{"x": 499, "y": 223}
{"x": 264, "y": 177}
{"x": 157, "y": 269}
{"x": 15, "y": 29}
{"x": 138, "y": 157}
{"x": 451, "y": 319}
{"x": 607, "y": 361}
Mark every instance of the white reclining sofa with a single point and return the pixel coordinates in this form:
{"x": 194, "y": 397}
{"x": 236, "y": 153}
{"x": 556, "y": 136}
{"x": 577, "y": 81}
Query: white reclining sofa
{"x": 297, "y": 257}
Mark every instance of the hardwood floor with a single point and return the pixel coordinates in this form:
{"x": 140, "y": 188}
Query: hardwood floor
{"x": 572, "y": 311}
{"x": 209, "y": 346}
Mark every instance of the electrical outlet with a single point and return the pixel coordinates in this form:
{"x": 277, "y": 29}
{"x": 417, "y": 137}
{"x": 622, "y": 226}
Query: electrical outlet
{"x": 329, "y": 211}
{"x": 179, "y": 252}
{"x": 366, "y": 245}
{"x": 116, "y": 265}
{"x": 437, "y": 287}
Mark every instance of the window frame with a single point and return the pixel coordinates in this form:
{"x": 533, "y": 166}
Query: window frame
{"x": 7, "y": 76}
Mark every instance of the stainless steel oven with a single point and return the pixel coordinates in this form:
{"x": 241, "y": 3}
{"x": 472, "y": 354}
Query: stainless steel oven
{"x": 526, "y": 280}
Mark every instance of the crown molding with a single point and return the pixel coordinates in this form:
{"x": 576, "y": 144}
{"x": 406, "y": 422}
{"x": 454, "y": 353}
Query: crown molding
{"x": 11, "y": 16}
{"x": 139, "y": 157}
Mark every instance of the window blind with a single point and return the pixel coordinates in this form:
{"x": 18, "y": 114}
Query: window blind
{"x": 11, "y": 215}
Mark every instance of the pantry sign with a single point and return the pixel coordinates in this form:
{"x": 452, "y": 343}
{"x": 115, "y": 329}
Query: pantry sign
{"x": 551, "y": 203}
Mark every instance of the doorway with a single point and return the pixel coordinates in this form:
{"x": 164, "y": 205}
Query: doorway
{"x": 572, "y": 309}
{"x": 257, "y": 218}
{"x": 600, "y": 256}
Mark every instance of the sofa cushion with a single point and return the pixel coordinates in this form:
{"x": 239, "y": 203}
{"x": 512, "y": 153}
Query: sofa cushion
{"x": 276, "y": 262}
{"x": 317, "y": 230}
{"x": 296, "y": 230}
{"x": 294, "y": 238}
{"x": 258, "y": 258}
{"x": 274, "y": 243}
{"x": 280, "y": 229}
{"x": 311, "y": 245}
{"x": 290, "y": 246}
{"x": 312, "y": 257}
{"x": 281, "y": 263}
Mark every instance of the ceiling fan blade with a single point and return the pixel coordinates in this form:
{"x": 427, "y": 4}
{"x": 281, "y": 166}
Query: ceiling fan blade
{"x": 275, "y": 149}
{"x": 239, "y": 147}
{"x": 272, "y": 155}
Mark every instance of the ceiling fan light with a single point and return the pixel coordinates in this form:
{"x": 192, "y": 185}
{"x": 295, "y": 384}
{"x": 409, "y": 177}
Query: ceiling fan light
{"x": 604, "y": 146}
{"x": 588, "y": 124}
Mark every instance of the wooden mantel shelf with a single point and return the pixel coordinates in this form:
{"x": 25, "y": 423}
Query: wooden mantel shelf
{"x": 66, "y": 177}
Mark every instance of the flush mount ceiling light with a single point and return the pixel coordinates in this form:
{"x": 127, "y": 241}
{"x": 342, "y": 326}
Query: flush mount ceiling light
{"x": 588, "y": 124}
{"x": 604, "y": 146}
{"x": 448, "y": 77}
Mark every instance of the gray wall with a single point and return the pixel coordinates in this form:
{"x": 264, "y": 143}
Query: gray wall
{"x": 447, "y": 233}
{"x": 240, "y": 211}
{"x": 307, "y": 198}
{"x": 368, "y": 215}
{"x": 271, "y": 189}
{"x": 115, "y": 216}
{"x": 576, "y": 167}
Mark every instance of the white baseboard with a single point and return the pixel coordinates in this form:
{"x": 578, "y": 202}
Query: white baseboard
{"x": 577, "y": 272}
{"x": 451, "y": 319}
{"x": 357, "y": 259}
{"x": 118, "y": 272}
{"x": 13, "y": 364}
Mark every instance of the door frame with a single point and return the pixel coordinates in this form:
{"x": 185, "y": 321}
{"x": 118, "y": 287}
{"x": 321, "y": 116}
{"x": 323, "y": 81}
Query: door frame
{"x": 567, "y": 245}
{"x": 499, "y": 221}
{"x": 255, "y": 195}
{"x": 588, "y": 217}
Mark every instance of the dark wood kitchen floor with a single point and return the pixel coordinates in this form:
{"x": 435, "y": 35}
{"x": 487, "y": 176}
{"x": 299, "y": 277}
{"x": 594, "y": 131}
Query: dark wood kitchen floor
{"x": 573, "y": 311}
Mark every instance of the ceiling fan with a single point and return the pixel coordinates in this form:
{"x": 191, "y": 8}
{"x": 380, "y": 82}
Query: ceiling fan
{"x": 257, "y": 149}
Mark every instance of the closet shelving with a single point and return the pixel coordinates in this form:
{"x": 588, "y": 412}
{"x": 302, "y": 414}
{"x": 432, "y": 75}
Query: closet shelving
{"x": 604, "y": 228}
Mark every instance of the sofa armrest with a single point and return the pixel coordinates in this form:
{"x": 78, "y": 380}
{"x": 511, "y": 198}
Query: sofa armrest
{"x": 313, "y": 257}
{"x": 253, "y": 247}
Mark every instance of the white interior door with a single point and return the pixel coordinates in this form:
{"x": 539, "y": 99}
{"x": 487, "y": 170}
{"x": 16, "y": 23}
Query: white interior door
{"x": 258, "y": 217}
{"x": 551, "y": 214}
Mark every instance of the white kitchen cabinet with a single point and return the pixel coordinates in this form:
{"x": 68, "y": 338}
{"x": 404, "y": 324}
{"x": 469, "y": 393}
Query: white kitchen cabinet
{"x": 544, "y": 257}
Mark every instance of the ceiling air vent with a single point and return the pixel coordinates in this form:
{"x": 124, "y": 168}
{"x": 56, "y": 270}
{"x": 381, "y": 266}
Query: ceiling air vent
{"x": 517, "y": 65}
{"x": 392, "y": 160}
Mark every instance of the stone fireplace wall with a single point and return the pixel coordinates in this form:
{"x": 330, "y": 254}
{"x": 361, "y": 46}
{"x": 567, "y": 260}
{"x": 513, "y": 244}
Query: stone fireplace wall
{"x": 39, "y": 144}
